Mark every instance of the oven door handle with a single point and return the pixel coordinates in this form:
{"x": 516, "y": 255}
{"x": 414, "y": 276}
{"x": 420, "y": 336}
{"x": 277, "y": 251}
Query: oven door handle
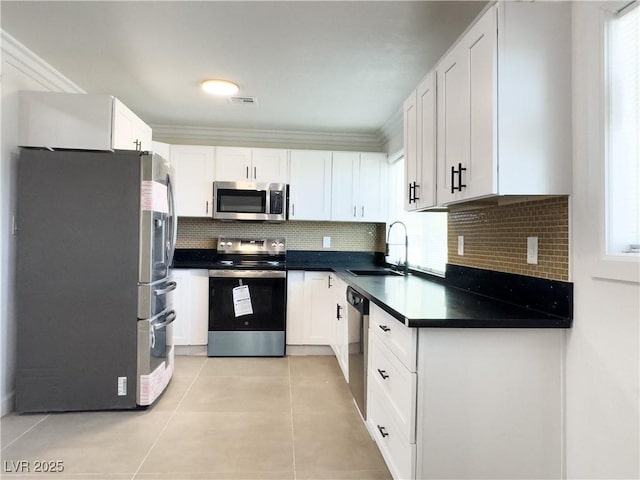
{"x": 247, "y": 274}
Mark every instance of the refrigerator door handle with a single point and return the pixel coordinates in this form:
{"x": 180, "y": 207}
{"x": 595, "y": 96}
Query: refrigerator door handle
{"x": 168, "y": 319}
{"x": 174, "y": 220}
{"x": 171, "y": 286}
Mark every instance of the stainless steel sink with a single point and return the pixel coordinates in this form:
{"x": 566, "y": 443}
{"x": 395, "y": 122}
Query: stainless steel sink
{"x": 378, "y": 272}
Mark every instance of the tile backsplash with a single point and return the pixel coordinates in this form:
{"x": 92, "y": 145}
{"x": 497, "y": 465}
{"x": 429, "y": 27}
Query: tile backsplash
{"x": 356, "y": 237}
{"x": 495, "y": 238}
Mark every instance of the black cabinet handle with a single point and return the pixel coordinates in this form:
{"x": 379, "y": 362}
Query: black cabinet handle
{"x": 415, "y": 192}
{"x": 206, "y": 207}
{"x": 453, "y": 179}
{"x": 338, "y": 307}
{"x": 329, "y": 281}
{"x": 410, "y": 193}
{"x": 460, "y": 170}
{"x": 383, "y": 374}
{"x": 383, "y": 431}
{"x": 384, "y": 328}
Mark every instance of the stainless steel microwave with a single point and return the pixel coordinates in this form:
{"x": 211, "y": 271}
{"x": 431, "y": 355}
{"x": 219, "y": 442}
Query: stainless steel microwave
{"x": 265, "y": 202}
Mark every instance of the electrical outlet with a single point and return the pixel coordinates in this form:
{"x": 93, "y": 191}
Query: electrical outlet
{"x": 461, "y": 245}
{"x": 532, "y": 250}
{"x": 326, "y": 242}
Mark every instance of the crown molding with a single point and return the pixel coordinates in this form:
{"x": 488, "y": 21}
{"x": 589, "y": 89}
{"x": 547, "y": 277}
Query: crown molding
{"x": 266, "y": 138}
{"x": 24, "y": 60}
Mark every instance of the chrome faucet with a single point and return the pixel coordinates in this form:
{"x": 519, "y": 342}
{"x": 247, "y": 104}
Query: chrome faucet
{"x": 406, "y": 246}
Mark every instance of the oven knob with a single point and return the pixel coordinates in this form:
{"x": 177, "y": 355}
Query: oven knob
{"x": 274, "y": 244}
{"x": 281, "y": 244}
{"x": 228, "y": 244}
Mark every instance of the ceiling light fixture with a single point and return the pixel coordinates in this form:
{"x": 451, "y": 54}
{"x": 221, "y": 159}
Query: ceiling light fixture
{"x": 219, "y": 87}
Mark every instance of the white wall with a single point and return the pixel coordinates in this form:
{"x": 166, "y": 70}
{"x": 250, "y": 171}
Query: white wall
{"x": 603, "y": 347}
{"x": 21, "y": 70}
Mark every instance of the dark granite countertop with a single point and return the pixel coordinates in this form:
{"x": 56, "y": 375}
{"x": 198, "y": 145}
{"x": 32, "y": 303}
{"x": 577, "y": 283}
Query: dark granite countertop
{"x": 467, "y": 298}
{"x": 420, "y": 302}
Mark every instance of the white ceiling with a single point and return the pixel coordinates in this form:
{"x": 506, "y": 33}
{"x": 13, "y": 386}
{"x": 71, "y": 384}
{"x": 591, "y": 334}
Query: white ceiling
{"x": 313, "y": 66}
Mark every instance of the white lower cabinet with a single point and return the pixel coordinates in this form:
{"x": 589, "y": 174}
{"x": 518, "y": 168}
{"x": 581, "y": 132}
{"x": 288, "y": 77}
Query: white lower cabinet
{"x": 309, "y": 307}
{"x": 489, "y": 403}
{"x": 191, "y": 302}
{"x": 398, "y": 452}
{"x": 396, "y": 385}
{"x": 465, "y": 403}
{"x": 391, "y": 391}
{"x": 340, "y": 340}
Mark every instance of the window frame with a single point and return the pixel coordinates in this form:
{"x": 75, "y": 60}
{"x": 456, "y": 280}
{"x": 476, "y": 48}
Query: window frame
{"x": 609, "y": 266}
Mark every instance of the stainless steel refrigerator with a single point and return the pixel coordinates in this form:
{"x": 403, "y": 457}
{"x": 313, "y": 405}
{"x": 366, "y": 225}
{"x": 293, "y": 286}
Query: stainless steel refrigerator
{"x": 96, "y": 235}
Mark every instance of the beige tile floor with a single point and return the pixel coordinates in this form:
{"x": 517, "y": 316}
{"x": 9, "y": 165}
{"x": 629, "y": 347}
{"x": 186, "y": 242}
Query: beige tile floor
{"x": 220, "y": 418}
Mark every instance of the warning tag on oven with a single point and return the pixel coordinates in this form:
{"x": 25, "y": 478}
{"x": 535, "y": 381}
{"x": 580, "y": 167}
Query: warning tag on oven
{"x": 242, "y": 301}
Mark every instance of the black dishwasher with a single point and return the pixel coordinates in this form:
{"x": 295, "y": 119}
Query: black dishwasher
{"x": 358, "y": 328}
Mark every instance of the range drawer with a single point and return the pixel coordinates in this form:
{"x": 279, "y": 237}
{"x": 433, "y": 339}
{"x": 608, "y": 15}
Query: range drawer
{"x": 398, "y": 452}
{"x": 400, "y": 339}
{"x": 396, "y": 383}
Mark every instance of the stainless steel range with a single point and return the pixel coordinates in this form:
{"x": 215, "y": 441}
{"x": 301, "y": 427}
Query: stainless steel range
{"x": 247, "y": 298}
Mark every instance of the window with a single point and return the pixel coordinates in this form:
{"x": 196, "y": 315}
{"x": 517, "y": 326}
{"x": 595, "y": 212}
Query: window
{"x": 622, "y": 100}
{"x": 427, "y": 231}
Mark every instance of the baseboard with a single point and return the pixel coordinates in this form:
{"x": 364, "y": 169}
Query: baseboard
{"x": 194, "y": 350}
{"x": 309, "y": 350}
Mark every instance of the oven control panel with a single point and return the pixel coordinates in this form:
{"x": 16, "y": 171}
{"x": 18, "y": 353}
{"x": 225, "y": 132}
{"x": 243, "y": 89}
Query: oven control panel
{"x": 251, "y": 246}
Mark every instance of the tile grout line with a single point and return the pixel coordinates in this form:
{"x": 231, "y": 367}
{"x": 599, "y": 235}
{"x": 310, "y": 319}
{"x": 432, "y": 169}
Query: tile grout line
{"x": 293, "y": 438}
{"x": 175, "y": 410}
{"x": 4, "y": 447}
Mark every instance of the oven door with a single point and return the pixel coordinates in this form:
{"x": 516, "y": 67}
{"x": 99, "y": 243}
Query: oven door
{"x": 247, "y": 312}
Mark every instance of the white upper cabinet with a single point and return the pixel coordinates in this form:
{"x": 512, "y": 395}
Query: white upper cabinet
{"x": 344, "y": 176}
{"x": 80, "y": 121}
{"x": 310, "y": 185}
{"x": 129, "y": 132}
{"x": 270, "y": 165}
{"x": 412, "y": 166}
{"x": 504, "y": 105}
{"x": 420, "y": 146}
{"x": 194, "y": 166}
{"x": 162, "y": 149}
{"x": 358, "y": 194}
{"x": 236, "y": 164}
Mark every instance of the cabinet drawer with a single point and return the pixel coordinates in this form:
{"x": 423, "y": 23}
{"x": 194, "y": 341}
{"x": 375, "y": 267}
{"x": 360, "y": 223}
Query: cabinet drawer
{"x": 397, "y": 384}
{"x": 401, "y": 340}
{"x": 398, "y": 452}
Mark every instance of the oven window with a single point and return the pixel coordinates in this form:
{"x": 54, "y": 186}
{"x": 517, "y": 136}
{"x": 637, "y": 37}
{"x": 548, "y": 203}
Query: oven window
{"x": 242, "y": 201}
{"x": 267, "y": 304}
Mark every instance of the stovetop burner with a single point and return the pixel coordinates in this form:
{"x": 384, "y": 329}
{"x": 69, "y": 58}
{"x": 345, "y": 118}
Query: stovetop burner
{"x": 243, "y": 253}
